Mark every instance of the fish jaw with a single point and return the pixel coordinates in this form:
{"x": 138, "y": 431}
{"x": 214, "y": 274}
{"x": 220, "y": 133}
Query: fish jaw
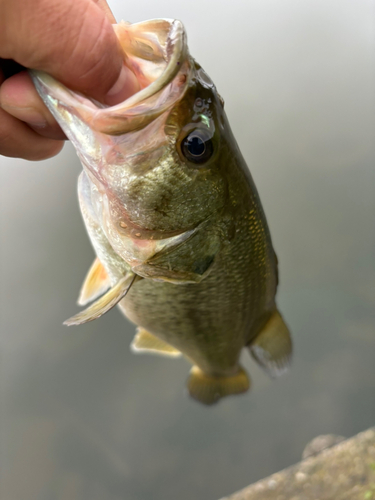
{"x": 166, "y": 259}
{"x": 125, "y": 246}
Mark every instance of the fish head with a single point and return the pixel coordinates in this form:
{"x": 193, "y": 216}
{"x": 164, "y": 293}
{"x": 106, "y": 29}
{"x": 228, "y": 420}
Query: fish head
{"x": 155, "y": 161}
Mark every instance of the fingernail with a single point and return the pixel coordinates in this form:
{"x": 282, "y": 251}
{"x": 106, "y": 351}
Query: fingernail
{"x": 125, "y": 86}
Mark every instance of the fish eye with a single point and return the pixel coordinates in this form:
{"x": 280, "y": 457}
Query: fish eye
{"x": 197, "y": 147}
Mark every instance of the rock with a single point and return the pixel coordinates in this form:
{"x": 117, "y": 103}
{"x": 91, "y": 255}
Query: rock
{"x": 344, "y": 472}
{"x": 321, "y": 443}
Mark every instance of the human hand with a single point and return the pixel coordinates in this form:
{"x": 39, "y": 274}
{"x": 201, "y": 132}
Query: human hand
{"x": 73, "y": 41}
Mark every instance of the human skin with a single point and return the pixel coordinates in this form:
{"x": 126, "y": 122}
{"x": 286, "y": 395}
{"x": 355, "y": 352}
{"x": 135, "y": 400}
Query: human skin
{"x": 73, "y": 41}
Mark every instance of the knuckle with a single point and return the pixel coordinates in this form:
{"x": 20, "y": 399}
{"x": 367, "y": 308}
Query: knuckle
{"x": 94, "y": 54}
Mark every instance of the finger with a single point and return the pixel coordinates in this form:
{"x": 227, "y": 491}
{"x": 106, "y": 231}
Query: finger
{"x": 70, "y": 39}
{"x": 126, "y": 85}
{"x": 19, "y": 141}
{"x": 106, "y": 9}
{"x": 19, "y": 98}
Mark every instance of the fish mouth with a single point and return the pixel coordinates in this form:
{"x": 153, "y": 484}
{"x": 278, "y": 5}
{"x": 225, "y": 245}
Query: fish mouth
{"x": 157, "y": 53}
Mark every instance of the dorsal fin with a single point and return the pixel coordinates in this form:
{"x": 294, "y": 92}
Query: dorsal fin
{"x": 95, "y": 284}
{"x": 145, "y": 341}
{"x": 105, "y": 303}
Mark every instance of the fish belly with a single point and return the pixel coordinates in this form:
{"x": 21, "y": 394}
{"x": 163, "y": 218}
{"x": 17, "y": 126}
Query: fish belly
{"x": 211, "y": 321}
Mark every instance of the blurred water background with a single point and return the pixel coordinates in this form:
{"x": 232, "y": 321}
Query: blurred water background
{"x": 82, "y": 418}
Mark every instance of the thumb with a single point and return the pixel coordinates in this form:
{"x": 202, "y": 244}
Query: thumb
{"x": 72, "y": 40}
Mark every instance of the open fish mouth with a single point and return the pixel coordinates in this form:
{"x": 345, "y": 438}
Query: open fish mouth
{"x": 118, "y": 143}
{"x": 156, "y": 51}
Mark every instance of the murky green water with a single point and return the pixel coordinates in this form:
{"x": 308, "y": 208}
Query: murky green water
{"x": 85, "y": 419}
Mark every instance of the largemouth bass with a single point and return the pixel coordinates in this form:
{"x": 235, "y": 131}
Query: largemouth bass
{"x": 182, "y": 242}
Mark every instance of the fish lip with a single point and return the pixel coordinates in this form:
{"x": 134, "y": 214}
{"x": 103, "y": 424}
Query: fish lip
{"x": 135, "y": 112}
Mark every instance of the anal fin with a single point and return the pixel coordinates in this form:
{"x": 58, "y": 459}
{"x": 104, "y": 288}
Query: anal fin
{"x": 146, "y": 342}
{"x": 272, "y": 348}
{"x": 208, "y": 389}
{"x": 95, "y": 284}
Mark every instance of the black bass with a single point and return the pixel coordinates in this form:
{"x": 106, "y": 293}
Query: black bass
{"x": 182, "y": 242}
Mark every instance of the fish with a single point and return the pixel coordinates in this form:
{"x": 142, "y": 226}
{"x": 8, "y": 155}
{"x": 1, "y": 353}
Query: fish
{"x": 181, "y": 239}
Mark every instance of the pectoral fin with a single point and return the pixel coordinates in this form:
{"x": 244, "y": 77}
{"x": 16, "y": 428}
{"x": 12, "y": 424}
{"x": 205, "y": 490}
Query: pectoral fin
{"x": 95, "y": 284}
{"x": 208, "y": 389}
{"x": 189, "y": 262}
{"x": 148, "y": 343}
{"x": 272, "y": 348}
{"x": 105, "y": 303}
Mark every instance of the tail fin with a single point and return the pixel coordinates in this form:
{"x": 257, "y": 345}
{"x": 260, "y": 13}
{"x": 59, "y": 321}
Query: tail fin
{"x": 208, "y": 389}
